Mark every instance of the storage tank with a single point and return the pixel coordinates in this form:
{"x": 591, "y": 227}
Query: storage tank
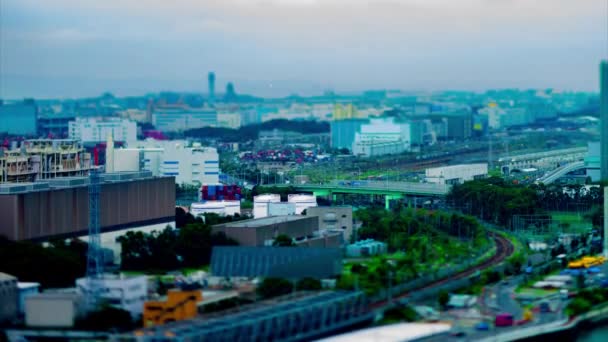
{"x": 260, "y": 204}
{"x": 232, "y": 207}
{"x": 201, "y": 208}
{"x": 302, "y": 201}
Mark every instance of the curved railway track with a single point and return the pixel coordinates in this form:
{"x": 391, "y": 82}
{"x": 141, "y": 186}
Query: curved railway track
{"x": 504, "y": 248}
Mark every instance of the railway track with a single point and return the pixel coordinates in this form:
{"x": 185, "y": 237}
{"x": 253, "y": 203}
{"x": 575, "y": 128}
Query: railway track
{"x": 504, "y": 248}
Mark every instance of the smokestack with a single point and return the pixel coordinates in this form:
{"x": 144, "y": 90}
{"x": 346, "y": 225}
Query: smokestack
{"x": 110, "y": 154}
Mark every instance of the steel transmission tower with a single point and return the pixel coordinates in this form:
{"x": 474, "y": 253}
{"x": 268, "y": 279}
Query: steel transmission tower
{"x": 94, "y": 253}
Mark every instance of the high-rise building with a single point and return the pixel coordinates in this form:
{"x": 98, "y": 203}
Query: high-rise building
{"x": 211, "y": 80}
{"x": 230, "y": 93}
{"x": 604, "y": 119}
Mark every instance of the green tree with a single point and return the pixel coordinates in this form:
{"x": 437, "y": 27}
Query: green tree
{"x": 308, "y": 284}
{"x": 274, "y": 287}
{"x": 283, "y": 241}
{"x": 443, "y": 298}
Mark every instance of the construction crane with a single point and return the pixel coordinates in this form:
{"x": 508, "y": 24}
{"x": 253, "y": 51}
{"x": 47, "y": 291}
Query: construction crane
{"x": 94, "y": 253}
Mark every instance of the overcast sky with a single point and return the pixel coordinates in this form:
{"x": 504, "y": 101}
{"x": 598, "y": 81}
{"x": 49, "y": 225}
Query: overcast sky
{"x": 62, "y": 48}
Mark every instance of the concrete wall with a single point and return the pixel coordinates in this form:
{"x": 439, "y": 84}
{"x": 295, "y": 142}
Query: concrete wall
{"x": 52, "y": 310}
{"x": 65, "y": 212}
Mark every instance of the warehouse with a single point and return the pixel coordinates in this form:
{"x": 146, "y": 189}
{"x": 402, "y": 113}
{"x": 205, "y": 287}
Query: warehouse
{"x": 60, "y": 207}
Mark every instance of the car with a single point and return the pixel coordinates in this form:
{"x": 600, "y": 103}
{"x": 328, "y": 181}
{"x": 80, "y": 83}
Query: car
{"x": 458, "y": 333}
{"x": 482, "y": 326}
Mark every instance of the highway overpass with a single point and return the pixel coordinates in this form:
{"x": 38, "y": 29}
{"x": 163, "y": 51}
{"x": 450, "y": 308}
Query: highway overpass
{"x": 390, "y": 190}
{"x": 560, "y": 172}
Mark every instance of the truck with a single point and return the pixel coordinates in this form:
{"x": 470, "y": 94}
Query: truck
{"x": 503, "y": 320}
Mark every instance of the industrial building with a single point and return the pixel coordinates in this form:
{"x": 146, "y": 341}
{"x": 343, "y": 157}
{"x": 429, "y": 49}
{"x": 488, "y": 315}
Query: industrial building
{"x": 302, "y": 201}
{"x": 18, "y": 118}
{"x": 301, "y": 317}
{"x": 456, "y": 174}
{"x": 9, "y": 298}
{"x": 53, "y": 310}
{"x": 43, "y": 159}
{"x": 92, "y": 130}
{"x": 56, "y": 125}
{"x": 26, "y": 290}
{"x": 189, "y": 164}
{"x": 260, "y": 204}
{"x": 60, "y": 207}
{"x": 123, "y": 292}
{"x": 334, "y": 218}
{"x": 178, "y": 118}
{"x": 304, "y": 231}
{"x": 263, "y": 231}
{"x": 380, "y": 137}
{"x": 291, "y": 263}
{"x": 178, "y": 305}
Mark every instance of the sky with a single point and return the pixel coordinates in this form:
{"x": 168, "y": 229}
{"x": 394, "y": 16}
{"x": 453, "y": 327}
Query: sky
{"x": 79, "y": 48}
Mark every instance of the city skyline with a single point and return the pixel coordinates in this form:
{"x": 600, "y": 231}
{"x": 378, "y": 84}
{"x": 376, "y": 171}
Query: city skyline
{"x": 279, "y": 47}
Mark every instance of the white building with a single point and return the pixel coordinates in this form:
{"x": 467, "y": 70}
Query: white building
{"x": 91, "y": 130}
{"x": 302, "y": 202}
{"x": 127, "y": 293}
{"x": 281, "y": 209}
{"x": 456, "y": 174}
{"x": 382, "y": 136}
{"x": 222, "y": 208}
{"x": 260, "y": 204}
{"x": 188, "y": 164}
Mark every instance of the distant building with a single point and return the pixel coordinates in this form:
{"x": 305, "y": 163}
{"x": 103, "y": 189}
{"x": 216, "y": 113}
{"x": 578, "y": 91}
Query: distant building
{"x": 123, "y": 292}
{"x": 188, "y": 164}
{"x": 180, "y": 118}
{"x": 382, "y": 136}
{"x": 460, "y": 127}
{"x": 91, "y": 130}
{"x": 18, "y": 118}
{"x": 334, "y": 218}
{"x": 604, "y": 119}
{"x": 229, "y": 120}
{"x": 346, "y": 121}
{"x": 230, "y": 95}
{"x": 56, "y": 125}
{"x": 283, "y": 262}
{"x": 9, "y": 298}
{"x": 211, "y": 85}
{"x": 456, "y": 174}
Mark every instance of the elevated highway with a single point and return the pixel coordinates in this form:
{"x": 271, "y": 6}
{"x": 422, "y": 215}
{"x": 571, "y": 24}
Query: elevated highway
{"x": 390, "y": 190}
{"x": 560, "y": 172}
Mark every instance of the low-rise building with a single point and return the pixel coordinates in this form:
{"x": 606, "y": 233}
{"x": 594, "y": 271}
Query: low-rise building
{"x": 263, "y": 231}
{"x": 127, "y": 293}
{"x": 365, "y": 248}
{"x": 92, "y": 130}
{"x": 9, "y": 297}
{"x": 456, "y": 174}
{"x": 334, "y": 218}
{"x": 53, "y": 310}
{"x": 26, "y": 290}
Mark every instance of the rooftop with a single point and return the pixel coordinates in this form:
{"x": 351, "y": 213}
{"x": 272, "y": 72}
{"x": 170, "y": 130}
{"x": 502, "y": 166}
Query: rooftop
{"x": 254, "y": 223}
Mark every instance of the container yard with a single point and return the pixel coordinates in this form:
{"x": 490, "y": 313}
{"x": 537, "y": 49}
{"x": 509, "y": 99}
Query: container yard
{"x": 220, "y": 192}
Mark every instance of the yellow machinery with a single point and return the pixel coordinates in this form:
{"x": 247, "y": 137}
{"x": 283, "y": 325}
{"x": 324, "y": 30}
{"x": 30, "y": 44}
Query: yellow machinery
{"x": 179, "y": 305}
{"x": 586, "y": 262}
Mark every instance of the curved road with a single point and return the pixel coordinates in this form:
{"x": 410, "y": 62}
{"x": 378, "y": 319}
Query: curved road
{"x": 504, "y": 248}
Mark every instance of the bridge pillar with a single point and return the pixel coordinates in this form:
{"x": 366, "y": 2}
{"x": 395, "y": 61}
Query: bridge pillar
{"x": 334, "y": 197}
{"x": 388, "y": 198}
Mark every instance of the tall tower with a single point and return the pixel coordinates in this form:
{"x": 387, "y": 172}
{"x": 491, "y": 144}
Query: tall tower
{"x": 604, "y": 120}
{"x": 211, "y": 80}
{"x": 94, "y": 252}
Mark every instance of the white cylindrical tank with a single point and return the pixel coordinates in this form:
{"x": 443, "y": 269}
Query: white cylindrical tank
{"x": 216, "y": 207}
{"x": 281, "y": 209}
{"x": 260, "y": 204}
{"x": 302, "y": 201}
{"x": 232, "y": 207}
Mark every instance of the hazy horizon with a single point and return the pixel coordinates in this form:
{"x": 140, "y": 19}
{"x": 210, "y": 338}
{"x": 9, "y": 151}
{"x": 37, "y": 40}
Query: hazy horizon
{"x": 68, "y": 49}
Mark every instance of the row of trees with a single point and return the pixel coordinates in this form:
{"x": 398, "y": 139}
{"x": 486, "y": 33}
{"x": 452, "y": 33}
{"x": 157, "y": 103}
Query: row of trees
{"x": 250, "y": 132}
{"x": 169, "y": 249}
{"x": 494, "y": 200}
{"x": 57, "y": 265}
{"x": 404, "y": 228}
